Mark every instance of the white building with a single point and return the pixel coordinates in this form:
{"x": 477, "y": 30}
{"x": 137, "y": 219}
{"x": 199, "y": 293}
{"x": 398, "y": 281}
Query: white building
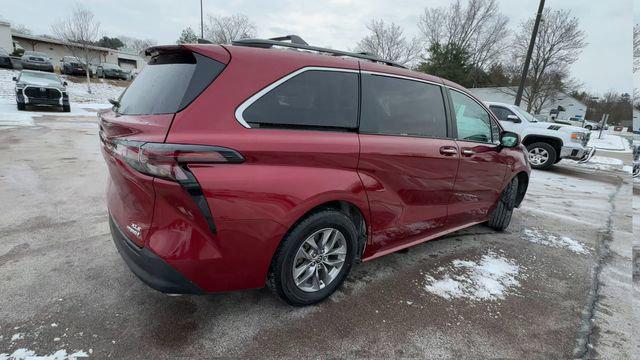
{"x": 5, "y": 36}
{"x": 573, "y": 107}
{"x": 57, "y": 49}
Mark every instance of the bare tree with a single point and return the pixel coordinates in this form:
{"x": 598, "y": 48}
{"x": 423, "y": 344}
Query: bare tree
{"x": 21, "y": 29}
{"x": 560, "y": 41}
{"x": 79, "y": 30}
{"x": 135, "y": 44}
{"x": 225, "y": 29}
{"x": 479, "y": 28}
{"x": 388, "y": 42}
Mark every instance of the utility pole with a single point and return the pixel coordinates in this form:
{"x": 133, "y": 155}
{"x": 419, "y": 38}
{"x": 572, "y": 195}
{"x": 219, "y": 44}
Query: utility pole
{"x": 605, "y": 118}
{"x": 201, "y": 22}
{"x": 527, "y": 60}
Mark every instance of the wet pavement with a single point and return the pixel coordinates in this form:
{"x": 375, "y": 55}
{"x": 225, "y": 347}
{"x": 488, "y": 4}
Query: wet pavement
{"x": 557, "y": 284}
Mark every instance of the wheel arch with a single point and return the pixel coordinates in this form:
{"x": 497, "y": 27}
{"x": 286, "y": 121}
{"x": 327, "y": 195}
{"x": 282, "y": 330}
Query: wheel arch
{"x": 557, "y": 143}
{"x": 350, "y": 209}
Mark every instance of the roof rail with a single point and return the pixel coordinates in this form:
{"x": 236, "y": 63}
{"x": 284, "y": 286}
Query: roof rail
{"x": 296, "y": 42}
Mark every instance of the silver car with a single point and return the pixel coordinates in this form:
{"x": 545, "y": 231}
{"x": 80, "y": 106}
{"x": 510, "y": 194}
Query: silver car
{"x": 34, "y": 60}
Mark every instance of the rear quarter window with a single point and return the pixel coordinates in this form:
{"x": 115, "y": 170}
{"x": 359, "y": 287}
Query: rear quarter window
{"x": 313, "y": 98}
{"x": 169, "y": 83}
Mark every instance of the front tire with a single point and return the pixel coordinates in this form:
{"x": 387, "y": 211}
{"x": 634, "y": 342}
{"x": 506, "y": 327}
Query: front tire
{"x": 66, "y": 108}
{"x": 541, "y": 155}
{"x": 22, "y": 106}
{"x": 501, "y": 215}
{"x": 314, "y": 258}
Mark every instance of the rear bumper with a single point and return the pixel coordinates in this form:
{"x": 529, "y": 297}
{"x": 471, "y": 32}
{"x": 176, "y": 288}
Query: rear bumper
{"x": 149, "y": 267}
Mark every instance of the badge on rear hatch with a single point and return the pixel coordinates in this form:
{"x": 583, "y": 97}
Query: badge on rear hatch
{"x": 134, "y": 229}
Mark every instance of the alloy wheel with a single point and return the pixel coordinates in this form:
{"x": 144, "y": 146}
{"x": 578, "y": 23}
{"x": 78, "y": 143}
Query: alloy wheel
{"x": 319, "y": 259}
{"x": 538, "y": 156}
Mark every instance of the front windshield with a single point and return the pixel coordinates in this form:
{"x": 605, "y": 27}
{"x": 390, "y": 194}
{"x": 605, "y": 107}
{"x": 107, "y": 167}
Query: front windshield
{"x": 526, "y": 115}
{"x": 29, "y": 76}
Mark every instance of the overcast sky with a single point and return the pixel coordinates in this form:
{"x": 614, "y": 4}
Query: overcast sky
{"x": 605, "y": 64}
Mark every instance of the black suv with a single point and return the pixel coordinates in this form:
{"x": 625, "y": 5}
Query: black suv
{"x": 5, "y": 59}
{"x": 71, "y": 65}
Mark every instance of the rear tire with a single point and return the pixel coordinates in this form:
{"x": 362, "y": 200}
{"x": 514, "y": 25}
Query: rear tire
{"x": 22, "y": 106}
{"x": 588, "y": 127}
{"x": 541, "y": 155}
{"x": 281, "y": 278}
{"x": 501, "y": 215}
{"x": 66, "y": 108}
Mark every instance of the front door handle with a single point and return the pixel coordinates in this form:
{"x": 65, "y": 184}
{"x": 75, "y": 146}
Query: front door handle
{"x": 468, "y": 152}
{"x": 448, "y": 150}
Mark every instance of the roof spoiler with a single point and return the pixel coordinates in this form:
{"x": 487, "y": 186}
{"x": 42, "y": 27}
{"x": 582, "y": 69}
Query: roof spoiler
{"x": 296, "y": 42}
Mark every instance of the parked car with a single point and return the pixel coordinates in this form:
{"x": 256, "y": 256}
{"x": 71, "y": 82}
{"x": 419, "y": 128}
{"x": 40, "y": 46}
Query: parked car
{"x": 39, "y": 88}
{"x": 5, "y": 59}
{"x": 547, "y": 143}
{"x": 36, "y": 61}
{"x": 111, "y": 71}
{"x": 232, "y": 166}
{"x": 587, "y": 124}
{"x": 71, "y": 65}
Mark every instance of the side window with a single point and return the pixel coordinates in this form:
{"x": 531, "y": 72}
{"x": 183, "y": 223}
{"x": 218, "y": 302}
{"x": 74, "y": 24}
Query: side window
{"x": 313, "y": 98}
{"x": 501, "y": 112}
{"x": 396, "y": 106}
{"x": 472, "y": 120}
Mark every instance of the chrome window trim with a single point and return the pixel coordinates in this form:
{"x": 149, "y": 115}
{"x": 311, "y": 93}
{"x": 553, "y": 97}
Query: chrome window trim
{"x": 401, "y": 77}
{"x": 240, "y": 110}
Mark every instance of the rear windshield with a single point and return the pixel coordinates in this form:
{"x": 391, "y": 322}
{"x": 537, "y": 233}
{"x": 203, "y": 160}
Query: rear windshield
{"x": 168, "y": 84}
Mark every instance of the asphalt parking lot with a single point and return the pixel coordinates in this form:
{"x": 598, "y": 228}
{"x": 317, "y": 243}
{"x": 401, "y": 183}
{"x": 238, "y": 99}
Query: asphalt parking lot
{"x": 562, "y": 287}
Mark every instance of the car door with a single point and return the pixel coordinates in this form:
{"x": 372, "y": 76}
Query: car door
{"x": 407, "y": 162}
{"x": 483, "y": 167}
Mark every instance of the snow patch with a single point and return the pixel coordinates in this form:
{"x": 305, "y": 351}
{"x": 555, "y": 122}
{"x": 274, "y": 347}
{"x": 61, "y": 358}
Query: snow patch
{"x": 548, "y": 239}
{"x": 491, "y": 278}
{"x": 17, "y": 337}
{"x": 609, "y": 142}
{"x": 25, "y": 354}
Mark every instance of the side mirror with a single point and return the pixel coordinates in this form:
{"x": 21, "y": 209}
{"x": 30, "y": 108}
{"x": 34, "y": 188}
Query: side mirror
{"x": 509, "y": 139}
{"x": 64, "y": 83}
{"x": 514, "y": 119}
{"x": 15, "y": 78}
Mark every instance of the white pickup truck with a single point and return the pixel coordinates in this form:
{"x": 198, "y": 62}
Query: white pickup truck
{"x": 547, "y": 143}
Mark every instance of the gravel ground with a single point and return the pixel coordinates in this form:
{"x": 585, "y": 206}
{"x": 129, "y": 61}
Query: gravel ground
{"x": 557, "y": 284}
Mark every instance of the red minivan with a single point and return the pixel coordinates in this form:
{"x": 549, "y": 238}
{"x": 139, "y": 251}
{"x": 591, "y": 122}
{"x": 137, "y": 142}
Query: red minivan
{"x": 278, "y": 163}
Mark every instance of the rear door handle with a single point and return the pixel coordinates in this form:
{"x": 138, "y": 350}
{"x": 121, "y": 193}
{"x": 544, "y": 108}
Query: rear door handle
{"x": 448, "y": 150}
{"x": 468, "y": 152}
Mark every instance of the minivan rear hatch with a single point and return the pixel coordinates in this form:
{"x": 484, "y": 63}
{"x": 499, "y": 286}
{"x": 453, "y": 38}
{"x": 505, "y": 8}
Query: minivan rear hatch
{"x": 140, "y": 120}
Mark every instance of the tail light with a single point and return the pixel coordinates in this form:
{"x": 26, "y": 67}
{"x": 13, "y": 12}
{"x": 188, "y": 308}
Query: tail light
{"x": 168, "y": 161}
